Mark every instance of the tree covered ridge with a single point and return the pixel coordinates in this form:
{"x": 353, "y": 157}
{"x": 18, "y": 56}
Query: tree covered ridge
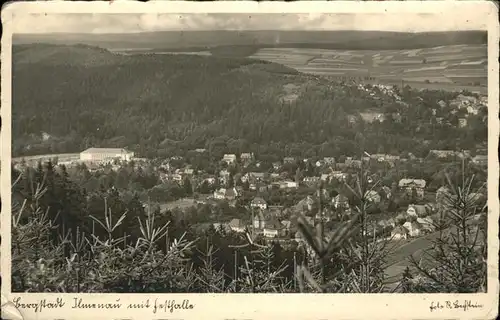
{"x": 224, "y": 41}
{"x": 159, "y": 104}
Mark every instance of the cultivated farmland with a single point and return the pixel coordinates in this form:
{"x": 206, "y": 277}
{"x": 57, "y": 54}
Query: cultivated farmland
{"x": 453, "y": 66}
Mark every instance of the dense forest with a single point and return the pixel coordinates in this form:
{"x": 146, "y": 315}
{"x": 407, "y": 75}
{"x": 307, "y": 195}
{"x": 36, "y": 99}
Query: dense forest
{"x": 159, "y": 105}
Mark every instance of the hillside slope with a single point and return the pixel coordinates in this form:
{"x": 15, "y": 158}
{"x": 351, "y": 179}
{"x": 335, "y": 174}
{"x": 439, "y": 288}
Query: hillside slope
{"x": 62, "y": 55}
{"x": 91, "y": 93}
{"x": 163, "y": 104}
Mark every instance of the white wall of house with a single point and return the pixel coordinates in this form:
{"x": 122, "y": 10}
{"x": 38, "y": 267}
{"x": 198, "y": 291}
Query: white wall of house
{"x": 238, "y": 229}
{"x": 270, "y": 233}
{"x": 229, "y": 158}
{"x": 420, "y": 191}
{"x": 413, "y": 232}
{"x": 256, "y": 224}
{"x": 411, "y": 211}
{"x": 472, "y": 110}
{"x": 398, "y": 236}
{"x": 219, "y": 195}
{"x": 262, "y": 206}
{"x": 259, "y": 224}
{"x": 289, "y": 184}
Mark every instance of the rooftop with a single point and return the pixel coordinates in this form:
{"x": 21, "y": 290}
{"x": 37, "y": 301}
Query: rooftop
{"x": 274, "y": 224}
{"x": 420, "y": 209}
{"x": 419, "y": 182}
{"x": 106, "y": 150}
{"x": 236, "y": 223}
{"x": 341, "y": 197}
{"x": 399, "y": 230}
{"x": 258, "y": 200}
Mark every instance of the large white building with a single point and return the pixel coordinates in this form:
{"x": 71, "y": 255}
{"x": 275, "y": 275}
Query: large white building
{"x": 106, "y": 154}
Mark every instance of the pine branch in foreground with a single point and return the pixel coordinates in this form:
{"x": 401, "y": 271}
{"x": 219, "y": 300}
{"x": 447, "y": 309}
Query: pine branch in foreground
{"x": 457, "y": 261}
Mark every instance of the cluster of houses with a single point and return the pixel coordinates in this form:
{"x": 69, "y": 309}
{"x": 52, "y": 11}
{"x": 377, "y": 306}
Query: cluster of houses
{"x": 329, "y": 168}
{"x": 471, "y": 105}
{"x": 228, "y": 194}
{"x": 264, "y": 181}
{"x": 479, "y": 159}
{"x": 416, "y": 221}
{"x": 376, "y": 92}
{"x": 419, "y": 220}
{"x": 178, "y": 175}
{"x": 245, "y": 158}
{"x": 265, "y": 220}
{"x": 387, "y": 90}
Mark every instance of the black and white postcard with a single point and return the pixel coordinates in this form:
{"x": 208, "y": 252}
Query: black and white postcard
{"x": 244, "y": 160}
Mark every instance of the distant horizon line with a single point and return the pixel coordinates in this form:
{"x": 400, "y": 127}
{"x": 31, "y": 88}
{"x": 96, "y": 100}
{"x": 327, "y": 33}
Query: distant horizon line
{"x": 244, "y": 30}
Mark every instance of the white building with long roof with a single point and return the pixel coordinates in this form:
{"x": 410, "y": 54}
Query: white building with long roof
{"x": 106, "y": 154}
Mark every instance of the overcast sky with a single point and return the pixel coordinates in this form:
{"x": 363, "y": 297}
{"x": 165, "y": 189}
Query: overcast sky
{"x": 118, "y": 23}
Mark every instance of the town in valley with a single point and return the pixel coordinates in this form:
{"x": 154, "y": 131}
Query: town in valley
{"x": 268, "y": 165}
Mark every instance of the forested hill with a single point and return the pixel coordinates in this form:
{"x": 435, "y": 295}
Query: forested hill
{"x": 83, "y": 96}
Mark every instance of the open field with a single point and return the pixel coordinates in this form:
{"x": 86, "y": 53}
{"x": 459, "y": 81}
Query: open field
{"x": 181, "y": 204}
{"x": 46, "y": 157}
{"x": 398, "y": 259}
{"x": 459, "y": 65}
{"x": 127, "y": 51}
